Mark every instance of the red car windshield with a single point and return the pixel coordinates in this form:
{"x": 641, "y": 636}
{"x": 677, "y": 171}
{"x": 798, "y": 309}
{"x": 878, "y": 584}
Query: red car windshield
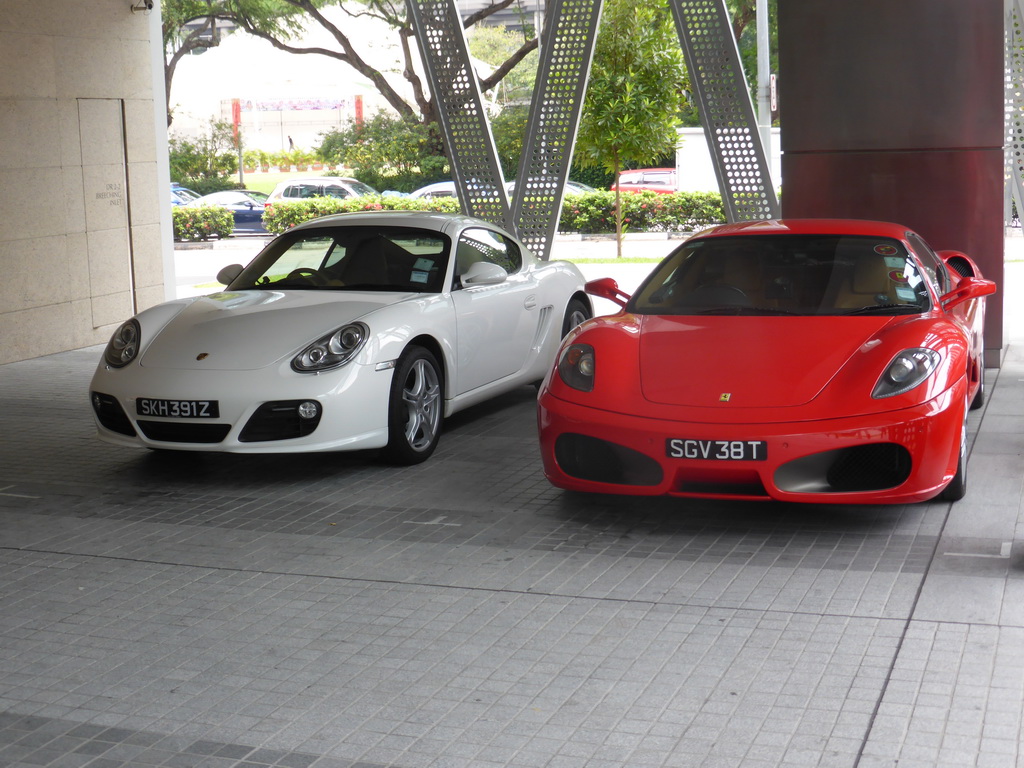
{"x": 785, "y": 274}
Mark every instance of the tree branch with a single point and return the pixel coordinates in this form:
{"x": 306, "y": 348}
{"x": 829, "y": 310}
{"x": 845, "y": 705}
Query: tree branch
{"x": 508, "y": 65}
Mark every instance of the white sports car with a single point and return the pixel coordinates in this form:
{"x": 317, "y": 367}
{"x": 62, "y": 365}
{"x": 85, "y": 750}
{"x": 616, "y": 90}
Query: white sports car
{"x": 353, "y": 331}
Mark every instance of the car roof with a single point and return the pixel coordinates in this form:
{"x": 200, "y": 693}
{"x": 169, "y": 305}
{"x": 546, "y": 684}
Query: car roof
{"x": 864, "y": 227}
{"x": 425, "y": 219}
{"x": 319, "y": 179}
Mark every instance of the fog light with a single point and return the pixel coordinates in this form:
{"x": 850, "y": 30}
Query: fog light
{"x": 309, "y": 410}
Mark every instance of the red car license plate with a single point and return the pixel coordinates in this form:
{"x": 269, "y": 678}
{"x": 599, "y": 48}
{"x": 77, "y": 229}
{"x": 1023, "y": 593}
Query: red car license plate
{"x": 720, "y": 450}
{"x": 177, "y": 409}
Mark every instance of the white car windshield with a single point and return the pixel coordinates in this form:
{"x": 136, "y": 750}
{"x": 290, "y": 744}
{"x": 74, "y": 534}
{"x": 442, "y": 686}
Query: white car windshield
{"x": 353, "y": 258}
{"x": 785, "y": 274}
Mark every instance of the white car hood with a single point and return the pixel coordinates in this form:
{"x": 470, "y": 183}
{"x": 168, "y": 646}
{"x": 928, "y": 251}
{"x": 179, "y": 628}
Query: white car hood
{"x": 247, "y": 330}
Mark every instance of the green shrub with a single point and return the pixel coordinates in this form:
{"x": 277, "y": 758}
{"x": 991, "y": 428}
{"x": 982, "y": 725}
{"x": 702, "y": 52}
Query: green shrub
{"x": 279, "y": 217}
{"x": 594, "y": 213}
{"x": 201, "y": 222}
{"x": 388, "y": 152}
{"x": 206, "y": 185}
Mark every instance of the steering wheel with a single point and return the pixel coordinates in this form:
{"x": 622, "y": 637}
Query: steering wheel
{"x": 309, "y": 273}
{"x": 716, "y": 294}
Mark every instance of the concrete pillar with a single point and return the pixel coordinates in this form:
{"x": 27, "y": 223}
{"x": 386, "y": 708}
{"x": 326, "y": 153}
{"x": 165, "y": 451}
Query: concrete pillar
{"x": 894, "y": 111}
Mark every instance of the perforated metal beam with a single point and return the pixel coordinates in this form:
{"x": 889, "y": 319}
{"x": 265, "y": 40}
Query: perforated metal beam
{"x": 716, "y": 74}
{"x": 567, "y": 51}
{"x": 1014, "y": 122}
{"x": 726, "y": 110}
{"x": 460, "y": 108}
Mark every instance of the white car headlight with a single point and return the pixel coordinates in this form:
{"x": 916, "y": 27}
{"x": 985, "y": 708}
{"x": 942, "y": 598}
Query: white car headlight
{"x": 123, "y": 346}
{"x": 576, "y": 367}
{"x": 908, "y": 369}
{"x": 333, "y": 350}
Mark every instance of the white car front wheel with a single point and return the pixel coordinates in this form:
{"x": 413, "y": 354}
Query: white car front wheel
{"x": 415, "y": 407}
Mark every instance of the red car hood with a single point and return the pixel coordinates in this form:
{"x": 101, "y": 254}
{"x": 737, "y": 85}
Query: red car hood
{"x": 747, "y": 362}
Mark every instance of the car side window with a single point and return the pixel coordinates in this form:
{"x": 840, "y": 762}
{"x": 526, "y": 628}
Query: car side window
{"x": 934, "y": 268}
{"x": 478, "y": 244}
{"x": 301, "y": 191}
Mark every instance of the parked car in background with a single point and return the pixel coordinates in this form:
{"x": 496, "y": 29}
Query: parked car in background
{"x": 661, "y": 180}
{"x": 319, "y": 186}
{"x": 571, "y": 187}
{"x": 182, "y": 195}
{"x": 818, "y": 361}
{"x": 246, "y": 207}
{"x": 437, "y": 189}
{"x": 347, "y": 332}
{"x": 447, "y": 189}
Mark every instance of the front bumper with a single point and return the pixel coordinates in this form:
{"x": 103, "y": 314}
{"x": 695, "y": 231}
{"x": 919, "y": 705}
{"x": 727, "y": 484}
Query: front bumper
{"x": 260, "y": 411}
{"x": 901, "y": 456}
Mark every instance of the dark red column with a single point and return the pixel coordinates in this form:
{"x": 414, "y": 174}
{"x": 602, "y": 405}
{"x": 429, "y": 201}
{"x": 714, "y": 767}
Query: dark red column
{"x": 893, "y": 110}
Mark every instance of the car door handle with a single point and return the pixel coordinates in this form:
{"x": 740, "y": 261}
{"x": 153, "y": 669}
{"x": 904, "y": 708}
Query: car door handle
{"x": 530, "y": 302}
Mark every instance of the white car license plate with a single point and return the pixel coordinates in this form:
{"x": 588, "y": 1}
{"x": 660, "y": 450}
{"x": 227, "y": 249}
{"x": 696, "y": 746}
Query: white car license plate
{"x": 177, "y": 409}
{"x": 719, "y": 450}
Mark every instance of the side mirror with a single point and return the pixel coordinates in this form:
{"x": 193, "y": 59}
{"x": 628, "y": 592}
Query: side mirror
{"x": 959, "y": 263}
{"x": 228, "y": 274}
{"x": 607, "y": 288}
{"x": 967, "y": 289}
{"x": 484, "y": 273}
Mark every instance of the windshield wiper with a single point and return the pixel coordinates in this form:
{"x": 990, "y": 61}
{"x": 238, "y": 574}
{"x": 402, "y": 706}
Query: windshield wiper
{"x": 732, "y": 309}
{"x": 886, "y": 309}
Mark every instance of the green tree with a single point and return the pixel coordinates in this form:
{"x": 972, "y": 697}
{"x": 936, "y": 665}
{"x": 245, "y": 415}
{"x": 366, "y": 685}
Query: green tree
{"x": 206, "y": 163}
{"x": 743, "y": 14}
{"x": 388, "y": 152}
{"x": 493, "y": 45}
{"x": 195, "y": 25}
{"x": 636, "y": 89}
{"x": 272, "y": 20}
{"x": 509, "y": 129}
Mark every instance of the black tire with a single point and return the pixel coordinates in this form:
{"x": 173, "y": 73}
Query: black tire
{"x": 415, "y": 407}
{"x": 979, "y": 396}
{"x": 576, "y": 311}
{"x": 957, "y": 487}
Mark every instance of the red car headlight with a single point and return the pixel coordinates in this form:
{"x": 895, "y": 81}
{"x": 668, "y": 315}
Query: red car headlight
{"x": 908, "y": 369}
{"x": 576, "y": 367}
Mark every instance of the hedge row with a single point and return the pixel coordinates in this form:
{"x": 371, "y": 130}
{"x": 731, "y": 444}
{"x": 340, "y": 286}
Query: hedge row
{"x": 279, "y": 217}
{"x": 594, "y": 212}
{"x": 201, "y": 222}
{"x": 591, "y": 213}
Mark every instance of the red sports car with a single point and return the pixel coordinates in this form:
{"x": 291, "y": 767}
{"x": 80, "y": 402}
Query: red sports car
{"x": 824, "y": 361}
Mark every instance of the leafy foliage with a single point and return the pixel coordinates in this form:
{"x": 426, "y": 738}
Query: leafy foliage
{"x": 388, "y": 152}
{"x": 205, "y": 163}
{"x": 278, "y": 21}
{"x": 194, "y": 25}
{"x": 743, "y": 14}
{"x": 594, "y": 213}
{"x": 494, "y": 45}
{"x": 509, "y": 129}
{"x": 202, "y": 222}
{"x": 280, "y": 217}
{"x": 636, "y": 89}
{"x": 591, "y": 213}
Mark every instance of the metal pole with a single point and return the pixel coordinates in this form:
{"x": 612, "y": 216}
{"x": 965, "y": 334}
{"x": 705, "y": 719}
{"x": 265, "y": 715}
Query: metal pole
{"x": 764, "y": 109}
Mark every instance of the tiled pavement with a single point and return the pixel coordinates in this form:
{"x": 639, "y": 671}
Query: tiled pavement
{"x": 330, "y": 612}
